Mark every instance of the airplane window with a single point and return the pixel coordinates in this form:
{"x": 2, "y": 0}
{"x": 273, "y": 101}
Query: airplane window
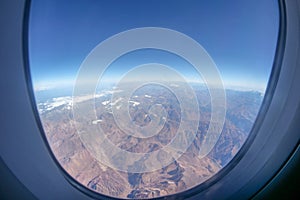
{"x": 144, "y": 99}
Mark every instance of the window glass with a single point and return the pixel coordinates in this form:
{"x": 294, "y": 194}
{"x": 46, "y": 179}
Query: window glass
{"x": 142, "y": 99}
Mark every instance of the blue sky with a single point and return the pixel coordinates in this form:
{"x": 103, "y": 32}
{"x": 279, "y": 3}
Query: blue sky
{"x": 239, "y": 35}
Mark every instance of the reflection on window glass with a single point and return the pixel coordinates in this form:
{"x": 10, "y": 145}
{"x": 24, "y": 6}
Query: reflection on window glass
{"x": 142, "y": 99}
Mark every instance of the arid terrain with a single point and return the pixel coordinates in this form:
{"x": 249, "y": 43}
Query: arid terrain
{"x": 184, "y": 173}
